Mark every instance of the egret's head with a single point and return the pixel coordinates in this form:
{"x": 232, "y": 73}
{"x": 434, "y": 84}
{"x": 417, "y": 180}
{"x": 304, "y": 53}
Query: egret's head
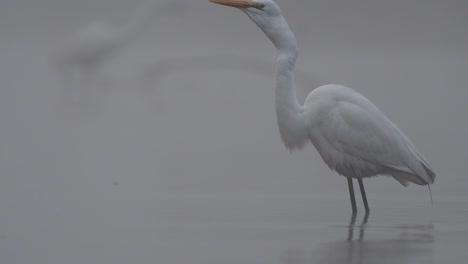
{"x": 260, "y": 11}
{"x": 267, "y": 15}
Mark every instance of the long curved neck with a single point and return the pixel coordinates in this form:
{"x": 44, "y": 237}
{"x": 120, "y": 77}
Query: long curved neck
{"x": 289, "y": 112}
{"x": 285, "y": 89}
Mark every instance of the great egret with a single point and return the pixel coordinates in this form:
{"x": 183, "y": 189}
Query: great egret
{"x": 81, "y": 53}
{"x": 353, "y": 137}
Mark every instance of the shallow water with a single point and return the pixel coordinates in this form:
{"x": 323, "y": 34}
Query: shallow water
{"x": 176, "y": 157}
{"x": 282, "y": 230}
{"x": 200, "y": 229}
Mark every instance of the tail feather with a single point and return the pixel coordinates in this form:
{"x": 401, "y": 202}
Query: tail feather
{"x": 404, "y": 178}
{"x": 419, "y": 167}
{"x": 414, "y": 167}
{"x": 427, "y": 168}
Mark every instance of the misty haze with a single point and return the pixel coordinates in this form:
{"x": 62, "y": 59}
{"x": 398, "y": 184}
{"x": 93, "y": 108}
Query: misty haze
{"x": 145, "y": 132}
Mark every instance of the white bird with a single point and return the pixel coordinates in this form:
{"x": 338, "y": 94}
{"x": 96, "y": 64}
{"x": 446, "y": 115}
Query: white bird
{"x": 353, "y": 137}
{"x": 86, "y": 49}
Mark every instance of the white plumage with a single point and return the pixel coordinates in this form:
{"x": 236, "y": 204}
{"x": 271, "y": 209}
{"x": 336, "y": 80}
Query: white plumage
{"x": 357, "y": 140}
{"x": 352, "y": 135}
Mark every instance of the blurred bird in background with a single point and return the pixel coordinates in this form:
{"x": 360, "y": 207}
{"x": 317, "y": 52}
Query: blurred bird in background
{"x": 81, "y": 54}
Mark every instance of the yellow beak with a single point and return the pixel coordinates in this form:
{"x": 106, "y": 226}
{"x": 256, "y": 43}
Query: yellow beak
{"x": 235, "y": 3}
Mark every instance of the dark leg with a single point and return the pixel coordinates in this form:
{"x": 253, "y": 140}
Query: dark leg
{"x": 351, "y": 196}
{"x": 364, "y": 197}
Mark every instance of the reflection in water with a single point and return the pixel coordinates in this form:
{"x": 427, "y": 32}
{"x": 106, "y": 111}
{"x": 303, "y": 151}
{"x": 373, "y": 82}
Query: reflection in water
{"x": 393, "y": 244}
{"x": 362, "y": 227}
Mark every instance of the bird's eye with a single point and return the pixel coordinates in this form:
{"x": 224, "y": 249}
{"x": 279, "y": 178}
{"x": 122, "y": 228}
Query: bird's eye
{"x": 259, "y": 5}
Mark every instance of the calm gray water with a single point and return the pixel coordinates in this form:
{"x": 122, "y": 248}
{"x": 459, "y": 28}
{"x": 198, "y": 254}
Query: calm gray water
{"x": 169, "y": 152}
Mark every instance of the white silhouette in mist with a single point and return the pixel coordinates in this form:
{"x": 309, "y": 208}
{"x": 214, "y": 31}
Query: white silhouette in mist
{"x": 80, "y": 56}
{"x": 89, "y": 47}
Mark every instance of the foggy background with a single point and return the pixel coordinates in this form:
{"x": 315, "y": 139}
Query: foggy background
{"x": 182, "y": 132}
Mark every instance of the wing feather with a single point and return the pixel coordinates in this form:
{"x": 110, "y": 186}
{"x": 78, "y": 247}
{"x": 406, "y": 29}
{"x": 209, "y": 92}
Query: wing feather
{"x": 352, "y": 134}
